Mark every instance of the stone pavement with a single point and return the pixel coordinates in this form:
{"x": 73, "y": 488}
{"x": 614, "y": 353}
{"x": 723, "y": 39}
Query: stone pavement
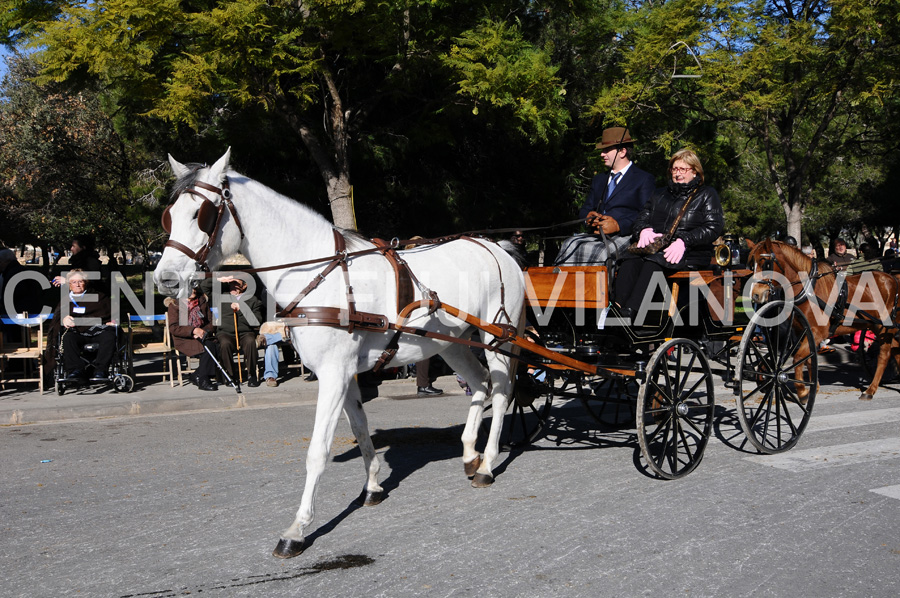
{"x": 23, "y": 404}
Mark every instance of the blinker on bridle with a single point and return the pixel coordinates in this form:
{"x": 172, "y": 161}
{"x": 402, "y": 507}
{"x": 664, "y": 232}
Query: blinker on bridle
{"x": 209, "y": 220}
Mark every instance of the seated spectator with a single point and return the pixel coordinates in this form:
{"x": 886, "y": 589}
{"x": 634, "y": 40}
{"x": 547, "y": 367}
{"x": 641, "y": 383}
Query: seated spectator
{"x": 838, "y": 257}
{"x": 891, "y": 262}
{"x": 689, "y": 244}
{"x": 84, "y": 318}
{"x": 614, "y": 201}
{"x": 270, "y": 335}
{"x": 868, "y": 260}
{"x": 232, "y": 316}
{"x": 191, "y": 329}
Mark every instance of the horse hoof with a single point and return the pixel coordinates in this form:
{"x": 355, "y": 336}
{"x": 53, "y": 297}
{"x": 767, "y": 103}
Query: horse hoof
{"x": 370, "y": 499}
{"x": 482, "y": 480}
{"x": 866, "y": 397}
{"x": 472, "y": 466}
{"x": 287, "y": 548}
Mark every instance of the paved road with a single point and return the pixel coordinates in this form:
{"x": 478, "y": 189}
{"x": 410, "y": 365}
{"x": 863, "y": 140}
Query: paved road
{"x": 193, "y": 503}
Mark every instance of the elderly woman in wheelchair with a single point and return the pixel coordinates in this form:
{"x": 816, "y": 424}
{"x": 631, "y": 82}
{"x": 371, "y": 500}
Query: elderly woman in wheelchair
{"x": 85, "y": 336}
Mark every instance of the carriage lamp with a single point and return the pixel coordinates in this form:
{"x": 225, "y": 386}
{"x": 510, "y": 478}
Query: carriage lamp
{"x": 729, "y": 253}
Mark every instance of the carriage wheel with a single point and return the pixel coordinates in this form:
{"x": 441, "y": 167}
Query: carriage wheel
{"x": 611, "y": 401}
{"x": 769, "y": 404}
{"x": 123, "y": 383}
{"x": 675, "y": 408}
{"x": 528, "y": 410}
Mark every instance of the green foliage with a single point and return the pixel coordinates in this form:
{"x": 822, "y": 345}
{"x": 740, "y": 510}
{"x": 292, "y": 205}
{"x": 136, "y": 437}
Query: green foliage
{"x": 499, "y": 68}
{"x": 801, "y": 83}
{"x": 65, "y": 170}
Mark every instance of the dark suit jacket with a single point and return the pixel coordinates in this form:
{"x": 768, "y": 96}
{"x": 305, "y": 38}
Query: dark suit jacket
{"x": 626, "y": 201}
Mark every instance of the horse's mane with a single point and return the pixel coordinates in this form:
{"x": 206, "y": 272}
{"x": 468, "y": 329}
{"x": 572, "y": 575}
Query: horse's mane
{"x": 793, "y": 257}
{"x": 187, "y": 180}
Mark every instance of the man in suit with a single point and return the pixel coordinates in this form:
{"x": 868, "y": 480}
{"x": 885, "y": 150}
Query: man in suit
{"x": 614, "y": 201}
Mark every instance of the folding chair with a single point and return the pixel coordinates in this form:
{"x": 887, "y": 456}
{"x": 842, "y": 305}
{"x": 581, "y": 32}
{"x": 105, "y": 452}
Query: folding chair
{"x": 163, "y": 347}
{"x": 24, "y": 349}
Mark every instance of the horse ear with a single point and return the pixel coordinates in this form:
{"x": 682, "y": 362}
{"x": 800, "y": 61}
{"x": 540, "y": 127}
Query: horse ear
{"x": 223, "y": 164}
{"x": 178, "y": 169}
{"x": 750, "y": 243}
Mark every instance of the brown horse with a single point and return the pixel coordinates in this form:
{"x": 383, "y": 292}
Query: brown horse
{"x": 866, "y": 301}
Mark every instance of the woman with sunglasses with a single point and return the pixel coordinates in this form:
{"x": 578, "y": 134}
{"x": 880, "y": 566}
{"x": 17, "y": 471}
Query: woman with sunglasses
{"x": 693, "y": 209}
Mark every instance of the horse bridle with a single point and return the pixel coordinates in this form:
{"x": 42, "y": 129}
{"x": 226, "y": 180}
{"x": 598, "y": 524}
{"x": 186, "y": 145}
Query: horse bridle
{"x": 209, "y": 219}
{"x": 768, "y": 262}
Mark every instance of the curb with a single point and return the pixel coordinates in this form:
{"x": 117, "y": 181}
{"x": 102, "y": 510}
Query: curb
{"x": 31, "y": 408}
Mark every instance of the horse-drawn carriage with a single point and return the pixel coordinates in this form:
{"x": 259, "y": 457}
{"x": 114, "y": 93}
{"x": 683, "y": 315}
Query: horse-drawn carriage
{"x": 383, "y": 305}
{"x": 658, "y": 375}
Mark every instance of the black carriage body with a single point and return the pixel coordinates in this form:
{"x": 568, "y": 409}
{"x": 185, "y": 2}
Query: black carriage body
{"x": 656, "y": 376}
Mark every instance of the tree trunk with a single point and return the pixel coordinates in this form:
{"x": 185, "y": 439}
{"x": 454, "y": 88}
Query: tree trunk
{"x": 329, "y": 150}
{"x": 794, "y": 215}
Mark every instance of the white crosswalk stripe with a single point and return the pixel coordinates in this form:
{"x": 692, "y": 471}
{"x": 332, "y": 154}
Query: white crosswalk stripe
{"x": 846, "y": 420}
{"x": 889, "y": 491}
{"x": 843, "y": 454}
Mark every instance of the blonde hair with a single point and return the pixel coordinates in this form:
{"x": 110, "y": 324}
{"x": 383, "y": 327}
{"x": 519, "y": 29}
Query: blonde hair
{"x": 690, "y": 158}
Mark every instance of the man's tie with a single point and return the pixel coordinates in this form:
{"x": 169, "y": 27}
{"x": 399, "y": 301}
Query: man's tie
{"x": 613, "y": 181}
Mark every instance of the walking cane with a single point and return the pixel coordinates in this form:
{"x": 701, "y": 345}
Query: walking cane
{"x": 237, "y": 343}
{"x": 224, "y": 373}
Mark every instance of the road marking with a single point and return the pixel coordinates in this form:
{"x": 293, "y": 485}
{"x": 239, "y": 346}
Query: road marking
{"x": 889, "y": 491}
{"x": 848, "y": 420}
{"x": 829, "y": 456}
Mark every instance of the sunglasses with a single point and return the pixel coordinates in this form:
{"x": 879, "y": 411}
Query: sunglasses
{"x": 207, "y": 217}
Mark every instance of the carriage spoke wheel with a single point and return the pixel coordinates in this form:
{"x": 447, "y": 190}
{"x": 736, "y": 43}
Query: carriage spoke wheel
{"x": 777, "y": 377}
{"x": 611, "y": 401}
{"x": 675, "y": 408}
{"x": 528, "y": 410}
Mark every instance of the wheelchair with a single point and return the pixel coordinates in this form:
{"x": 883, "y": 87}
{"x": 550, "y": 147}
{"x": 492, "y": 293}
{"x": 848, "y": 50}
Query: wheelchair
{"x": 121, "y": 367}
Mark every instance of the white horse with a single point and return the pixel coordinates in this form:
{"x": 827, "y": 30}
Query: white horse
{"x": 271, "y": 230}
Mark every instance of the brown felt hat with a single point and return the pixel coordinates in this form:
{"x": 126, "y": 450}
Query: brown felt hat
{"x": 615, "y": 136}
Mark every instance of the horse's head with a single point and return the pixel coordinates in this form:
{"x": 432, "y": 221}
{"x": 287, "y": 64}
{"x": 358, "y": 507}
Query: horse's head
{"x": 201, "y": 223}
{"x": 775, "y": 265}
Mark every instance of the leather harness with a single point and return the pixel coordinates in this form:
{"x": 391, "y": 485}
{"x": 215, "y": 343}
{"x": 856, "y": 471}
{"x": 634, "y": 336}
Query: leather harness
{"x": 350, "y": 318}
{"x": 842, "y": 302}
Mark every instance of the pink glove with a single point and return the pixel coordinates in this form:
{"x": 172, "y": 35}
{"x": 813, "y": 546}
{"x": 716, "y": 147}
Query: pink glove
{"x": 647, "y": 236}
{"x": 674, "y": 252}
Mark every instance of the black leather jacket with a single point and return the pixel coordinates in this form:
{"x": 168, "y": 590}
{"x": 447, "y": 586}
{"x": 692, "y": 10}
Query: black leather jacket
{"x": 702, "y": 223}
